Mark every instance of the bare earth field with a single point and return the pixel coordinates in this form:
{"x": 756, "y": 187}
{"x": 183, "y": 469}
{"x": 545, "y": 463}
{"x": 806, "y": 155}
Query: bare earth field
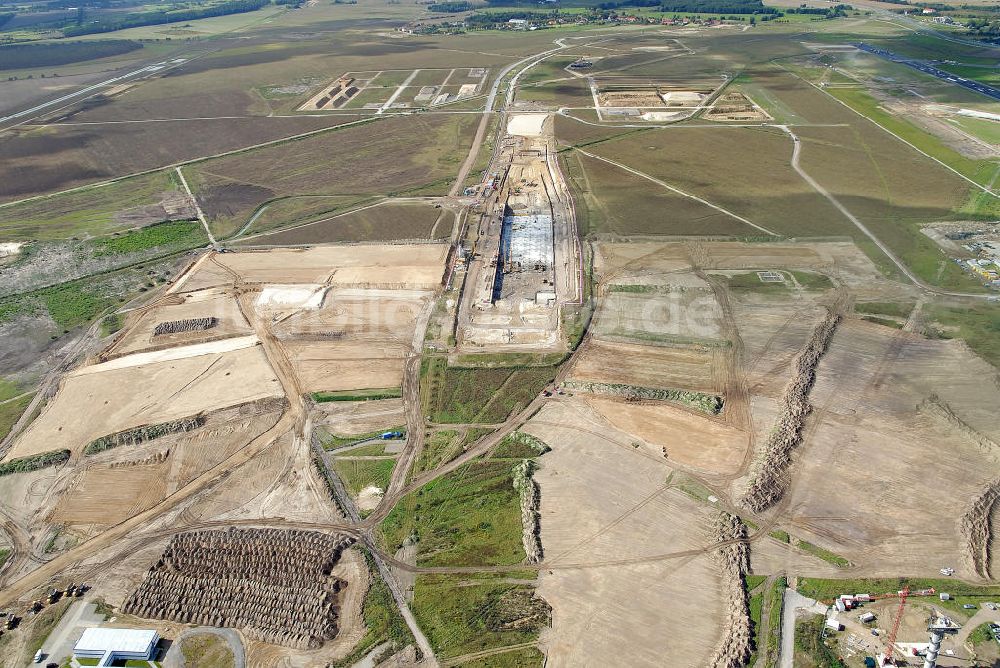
{"x": 133, "y": 396}
{"x": 874, "y": 416}
{"x": 349, "y": 418}
{"x": 678, "y": 427}
{"x": 604, "y": 502}
{"x": 663, "y": 367}
{"x": 391, "y": 267}
{"x": 202, "y": 304}
{"x": 689, "y": 440}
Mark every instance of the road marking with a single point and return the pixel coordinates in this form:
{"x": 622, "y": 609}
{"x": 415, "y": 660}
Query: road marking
{"x": 399, "y": 91}
{"x": 197, "y": 207}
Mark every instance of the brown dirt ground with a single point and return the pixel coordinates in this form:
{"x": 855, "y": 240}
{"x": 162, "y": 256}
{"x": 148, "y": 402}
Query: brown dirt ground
{"x": 201, "y": 304}
{"x": 90, "y": 405}
{"x": 690, "y": 440}
{"x": 347, "y": 418}
{"x": 691, "y": 314}
{"x": 879, "y": 481}
{"x": 604, "y": 501}
{"x": 419, "y": 266}
{"x": 686, "y": 367}
{"x": 347, "y": 365}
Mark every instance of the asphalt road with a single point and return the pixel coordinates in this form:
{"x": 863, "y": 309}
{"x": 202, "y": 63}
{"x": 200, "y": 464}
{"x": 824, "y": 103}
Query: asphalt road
{"x": 933, "y": 71}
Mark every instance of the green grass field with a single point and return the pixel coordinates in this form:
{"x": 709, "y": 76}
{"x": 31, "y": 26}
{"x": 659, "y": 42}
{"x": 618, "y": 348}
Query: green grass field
{"x": 978, "y": 325}
{"x": 359, "y": 473}
{"x": 443, "y": 446}
{"x": 88, "y": 212}
{"x": 988, "y": 131}
{"x": 172, "y": 234}
{"x": 461, "y": 616}
{"x": 470, "y": 516}
{"x": 895, "y": 309}
{"x": 383, "y": 623}
{"x": 979, "y": 171}
{"x": 478, "y": 395}
{"x": 10, "y": 412}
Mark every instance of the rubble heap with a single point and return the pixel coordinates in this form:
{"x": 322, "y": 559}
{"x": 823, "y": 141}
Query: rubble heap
{"x": 733, "y": 650}
{"x": 769, "y": 477}
{"x": 976, "y": 529}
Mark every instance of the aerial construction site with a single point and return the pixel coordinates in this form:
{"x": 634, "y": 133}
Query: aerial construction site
{"x": 354, "y": 335}
{"x": 525, "y": 256}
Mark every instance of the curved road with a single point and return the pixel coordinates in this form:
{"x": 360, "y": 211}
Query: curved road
{"x": 796, "y": 149}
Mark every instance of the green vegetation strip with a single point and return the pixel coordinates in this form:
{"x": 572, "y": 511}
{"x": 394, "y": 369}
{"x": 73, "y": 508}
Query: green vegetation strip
{"x": 453, "y": 394}
{"x": 470, "y": 516}
{"x": 171, "y": 233}
{"x": 34, "y": 462}
{"x": 461, "y": 616}
{"x": 358, "y": 395}
{"x": 333, "y": 442}
{"x": 520, "y": 445}
{"x": 822, "y": 553}
{"x": 11, "y": 411}
{"x": 707, "y": 403}
{"x": 138, "y": 435}
{"x": 383, "y": 622}
{"x": 825, "y": 589}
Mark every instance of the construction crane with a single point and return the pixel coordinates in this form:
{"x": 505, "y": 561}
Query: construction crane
{"x": 887, "y": 659}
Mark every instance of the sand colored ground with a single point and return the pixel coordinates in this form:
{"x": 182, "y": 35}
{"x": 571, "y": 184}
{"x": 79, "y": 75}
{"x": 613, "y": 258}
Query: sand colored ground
{"x": 690, "y": 440}
{"x": 658, "y": 317}
{"x": 684, "y": 367}
{"x": 841, "y": 260}
{"x": 347, "y": 365}
{"x": 348, "y": 418}
{"x": 369, "y": 313}
{"x": 205, "y": 274}
{"x": 89, "y": 405}
{"x": 772, "y": 335}
{"x": 202, "y": 304}
{"x": 108, "y": 496}
{"x": 883, "y": 478}
{"x": 419, "y": 266}
{"x": 165, "y": 355}
{"x": 526, "y": 125}
{"x": 603, "y": 500}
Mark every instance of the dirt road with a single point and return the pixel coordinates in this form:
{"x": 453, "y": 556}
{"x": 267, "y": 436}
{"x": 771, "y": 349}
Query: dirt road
{"x": 796, "y": 150}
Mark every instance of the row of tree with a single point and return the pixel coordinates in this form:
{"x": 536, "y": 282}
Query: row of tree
{"x": 163, "y": 16}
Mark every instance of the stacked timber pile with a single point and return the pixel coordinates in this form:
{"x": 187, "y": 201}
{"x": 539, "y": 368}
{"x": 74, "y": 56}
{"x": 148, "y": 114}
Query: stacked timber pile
{"x": 977, "y": 531}
{"x": 531, "y": 496}
{"x": 187, "y": 325}
{"x": 733, "y": 650}
{"x": 769, "y": 479}
{"x": 273, "y": 584}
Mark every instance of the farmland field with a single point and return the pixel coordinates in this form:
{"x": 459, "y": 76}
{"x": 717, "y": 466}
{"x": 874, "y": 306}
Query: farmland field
{"x": 398, "y": 159}
{"x": 407, "y": 334}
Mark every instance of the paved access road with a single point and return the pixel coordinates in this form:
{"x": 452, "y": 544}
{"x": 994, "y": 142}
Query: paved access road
{"x": 933, "y": 71}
